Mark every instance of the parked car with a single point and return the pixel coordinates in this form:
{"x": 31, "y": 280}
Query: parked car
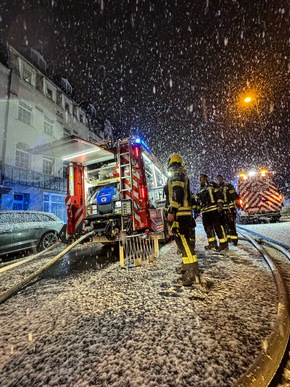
{"x": 21, "y": 230}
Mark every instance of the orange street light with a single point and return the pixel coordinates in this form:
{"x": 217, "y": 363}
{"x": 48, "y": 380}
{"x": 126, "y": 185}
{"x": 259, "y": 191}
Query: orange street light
{"x": 247, "y": 99}
{"x": 252, "y": 99}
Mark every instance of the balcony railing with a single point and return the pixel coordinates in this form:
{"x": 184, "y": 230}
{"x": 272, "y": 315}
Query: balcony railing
{"x": 16, "y": 175}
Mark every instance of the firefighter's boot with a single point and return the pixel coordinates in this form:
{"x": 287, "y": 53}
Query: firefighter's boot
{"x": 235, "y": 241}
{"x": 211, "y": 246}
{"x": 181, "y": 269}
{"x": 223, "y": 247}
{"x": 190, "y": 276}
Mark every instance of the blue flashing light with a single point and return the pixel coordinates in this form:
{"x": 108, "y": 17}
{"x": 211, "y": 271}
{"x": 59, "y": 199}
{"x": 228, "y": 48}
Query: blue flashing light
{"x": 138, "y": 141}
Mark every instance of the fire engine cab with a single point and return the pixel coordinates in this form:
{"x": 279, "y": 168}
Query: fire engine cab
{"x": 260, "y": 199}
{"x": 111, "y": 190}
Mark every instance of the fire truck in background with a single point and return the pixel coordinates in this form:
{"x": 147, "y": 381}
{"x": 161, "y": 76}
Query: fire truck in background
{"x": 260, "y": 199}
{"x": 111, "y": 190}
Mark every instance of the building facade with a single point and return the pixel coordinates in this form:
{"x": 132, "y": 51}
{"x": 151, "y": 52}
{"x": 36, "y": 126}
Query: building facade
{"x": 34, "y": 110}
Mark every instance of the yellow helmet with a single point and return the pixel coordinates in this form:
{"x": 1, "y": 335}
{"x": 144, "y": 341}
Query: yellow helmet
{"x": 175, "y": 160}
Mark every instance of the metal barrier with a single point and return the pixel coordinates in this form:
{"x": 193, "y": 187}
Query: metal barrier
{"x": 138, "y": 250}
{"x": 27, "y": 177}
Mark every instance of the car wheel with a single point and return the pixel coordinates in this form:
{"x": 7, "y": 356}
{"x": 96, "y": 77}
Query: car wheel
{"x": 47, "y": 240}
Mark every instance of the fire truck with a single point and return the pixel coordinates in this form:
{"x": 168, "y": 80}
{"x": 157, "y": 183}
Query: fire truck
{"x": 260, "y": 199}
{"x": 111, "y": 191}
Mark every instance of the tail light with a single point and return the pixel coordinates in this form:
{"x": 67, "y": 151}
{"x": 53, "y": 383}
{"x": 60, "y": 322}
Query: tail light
{"x": 142, "y": 192}
{"x": 137, "y": 151}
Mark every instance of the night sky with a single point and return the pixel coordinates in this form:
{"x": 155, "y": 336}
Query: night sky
{"x": 175, "y": 71}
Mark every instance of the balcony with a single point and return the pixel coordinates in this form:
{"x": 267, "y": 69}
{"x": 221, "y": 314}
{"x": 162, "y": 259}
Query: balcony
{"x": 15, "y": 175}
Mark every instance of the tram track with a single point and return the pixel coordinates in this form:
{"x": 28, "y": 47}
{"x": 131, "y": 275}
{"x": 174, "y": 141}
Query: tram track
{"x": 264, "y": 239}
{"x": 265, "y": 367}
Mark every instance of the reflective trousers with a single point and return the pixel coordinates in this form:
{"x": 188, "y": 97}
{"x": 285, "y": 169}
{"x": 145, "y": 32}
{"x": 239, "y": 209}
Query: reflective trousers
{"x": 230, "y": 224}
{"x": 184, "y": 235}
{"x": 213, "y": 226}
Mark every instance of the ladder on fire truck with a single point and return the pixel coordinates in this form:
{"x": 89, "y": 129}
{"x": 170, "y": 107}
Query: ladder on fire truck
{"x": 126, "y": 184}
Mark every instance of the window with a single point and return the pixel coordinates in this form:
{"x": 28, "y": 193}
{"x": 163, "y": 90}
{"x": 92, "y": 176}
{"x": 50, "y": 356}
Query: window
{"x": 148, "y": 165}
{"x": 44, "y": 218}
{"x": 22, "y": 156}
{"x": 48, "y": 126}
{"x": 28, "y": 217}
{"x": 56, "y": 204}
{"x": 26, "y": 72}
{"x": 59, "y": 98}
{"x": 66, "y": 85}
{"x": 160, "y": 178}
{"x": 38, "y": 59}
{"x": 67, "y": 107}
{"x": 64, "y": 169}
{"x": 49, "y": 93}
{"x": 75, "y": 112}
{"x": 28, "y": 75}
{"x": 49, "y": 90}
{"x": 20, "y": 201}
{"x": 66, "y": 132}
{"x": 48, "y": 166}
{"x": 24, "y": 113}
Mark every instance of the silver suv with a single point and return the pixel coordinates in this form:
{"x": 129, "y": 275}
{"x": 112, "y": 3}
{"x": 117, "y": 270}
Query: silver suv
{"x": 20, "y": 230}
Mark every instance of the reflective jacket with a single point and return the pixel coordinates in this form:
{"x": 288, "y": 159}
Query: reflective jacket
{"x": 178, "y": 195}
{"x": 229, "y": 194}
{"x": 208, "y": 197}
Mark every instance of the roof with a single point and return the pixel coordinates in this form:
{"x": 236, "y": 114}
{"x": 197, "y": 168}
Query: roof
{"x": 76, "y": 149}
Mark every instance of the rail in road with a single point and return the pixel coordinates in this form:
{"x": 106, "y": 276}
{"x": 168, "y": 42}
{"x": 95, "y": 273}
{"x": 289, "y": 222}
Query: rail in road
{"x": 266, "y": 364}
{"x": 263, "y": 370}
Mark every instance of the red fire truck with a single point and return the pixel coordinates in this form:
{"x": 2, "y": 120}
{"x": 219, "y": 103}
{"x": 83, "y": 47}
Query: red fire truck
{"x": 260, "y": 198}
{"x": 111, "y": 190}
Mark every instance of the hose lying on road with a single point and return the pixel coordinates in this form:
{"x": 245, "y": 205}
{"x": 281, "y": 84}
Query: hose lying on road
{"x": 31, "y": 258}
{"x": 4, "y": 296}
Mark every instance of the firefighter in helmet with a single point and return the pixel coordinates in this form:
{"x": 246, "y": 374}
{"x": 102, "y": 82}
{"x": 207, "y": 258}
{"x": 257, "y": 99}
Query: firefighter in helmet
{"x": 210, "y": 204}
{"x": 179, "y": 216}
{"x": 231, "y": 202}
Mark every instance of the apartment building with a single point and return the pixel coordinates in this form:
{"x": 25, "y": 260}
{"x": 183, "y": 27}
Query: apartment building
{"x": 35, "y": 110}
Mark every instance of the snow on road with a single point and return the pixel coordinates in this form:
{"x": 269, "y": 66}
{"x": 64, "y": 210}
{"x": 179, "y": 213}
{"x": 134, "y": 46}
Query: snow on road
{"x": 116, "y": 327}
{"x": 277, "y": 231}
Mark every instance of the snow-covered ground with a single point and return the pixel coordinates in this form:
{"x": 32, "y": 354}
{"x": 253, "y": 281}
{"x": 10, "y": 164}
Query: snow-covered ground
{"x": 278, "y": 231}
{"x": 116, "y": 327}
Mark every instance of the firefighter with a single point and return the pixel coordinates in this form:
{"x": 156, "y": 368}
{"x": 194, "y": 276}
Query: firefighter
{"x": 231, "y": 202}
{"x": 210, "y": 204}
{"x": 179, "y": 216}
{"x": 180, "y": 269}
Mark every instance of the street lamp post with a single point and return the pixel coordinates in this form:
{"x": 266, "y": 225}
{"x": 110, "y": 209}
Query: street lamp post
{"x": 256, "y": 103}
